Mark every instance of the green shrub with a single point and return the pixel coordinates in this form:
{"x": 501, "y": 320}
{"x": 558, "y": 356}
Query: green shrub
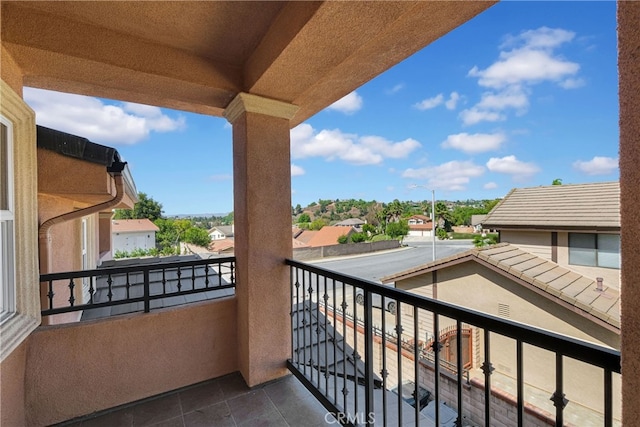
{"x": 358, "y": 237}
{"x": 442, "y": 234}
{"x": 120, "y": 254}
{"x": 343, "y": 239}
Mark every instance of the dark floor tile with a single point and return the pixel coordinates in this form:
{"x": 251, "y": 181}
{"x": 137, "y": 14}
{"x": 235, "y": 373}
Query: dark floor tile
{"x": 173, "y": 422}
{"x": 305, "y": 411}
{"x": 200, "y": 396}
{"x": 250, "y": 405}
{"x": 233, "y": 385}
{"x": 157, "y": 410}
{"x": 122, "y": 417}
{"x": 218, "y": 415}
{"x": 285, "y": 389}
{"x": 269, "y": 419}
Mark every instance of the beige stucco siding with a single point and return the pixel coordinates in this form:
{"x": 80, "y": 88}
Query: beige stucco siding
{"x": 477, "y": 287}
{"x": 535, "y": 242}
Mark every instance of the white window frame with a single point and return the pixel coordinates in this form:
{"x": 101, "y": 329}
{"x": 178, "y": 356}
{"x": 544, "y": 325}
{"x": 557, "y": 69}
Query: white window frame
{"x": 7, "y": 234}
{"x": 26, "y": 316}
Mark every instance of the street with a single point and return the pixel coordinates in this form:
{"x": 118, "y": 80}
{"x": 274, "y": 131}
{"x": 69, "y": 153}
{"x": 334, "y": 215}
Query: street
{"x": 377, "y": 265}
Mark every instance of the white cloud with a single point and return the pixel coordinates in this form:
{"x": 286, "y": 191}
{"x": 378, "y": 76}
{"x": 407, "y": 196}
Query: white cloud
{"x": 542, "y": 38}
{"x": 525, "y": 60}
{"x": 512, "y": 97}
{"x": 510, "y": 165}
{"x": 474, "y": 143}
{"x": 572, "y": 83}
{"x": 451, "y": 176}
{"x": 397, "y": 88}
{"x": 351, "y": 148}
{"x": 452, "y": 101}
{"x": 349, "y": 104}
{"x": 490, "y": 185}
{"x": 597, "y": 166}
{"x": 296, "y": 170}
{"x": 88, "y": 117}
{"x": 429, "y": 103}
{"x": 474, "y": 115}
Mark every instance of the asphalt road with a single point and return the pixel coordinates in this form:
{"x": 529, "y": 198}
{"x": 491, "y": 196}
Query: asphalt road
{"x": 377, "y": 265}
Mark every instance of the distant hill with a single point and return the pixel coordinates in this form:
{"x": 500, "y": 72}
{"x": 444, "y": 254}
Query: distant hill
{"x": 198, "y": 215}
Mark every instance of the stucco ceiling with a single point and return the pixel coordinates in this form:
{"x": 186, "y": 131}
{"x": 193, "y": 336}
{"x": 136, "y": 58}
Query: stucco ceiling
{"x": 196, "y": 56}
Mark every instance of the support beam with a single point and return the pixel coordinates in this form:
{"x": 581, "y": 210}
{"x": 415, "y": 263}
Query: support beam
{"x": 262, "y": 217}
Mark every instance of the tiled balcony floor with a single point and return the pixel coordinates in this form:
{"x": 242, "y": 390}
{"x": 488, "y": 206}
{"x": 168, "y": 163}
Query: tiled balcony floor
{"x": 224, "y": 401}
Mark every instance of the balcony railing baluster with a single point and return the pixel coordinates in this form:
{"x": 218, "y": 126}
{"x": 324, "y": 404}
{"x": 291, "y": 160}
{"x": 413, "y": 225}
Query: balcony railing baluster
{"x": 520, "y": 382}
{"x": 399, "y": 352}
{"x": 117, "y": 285}
{"x": 460, "y": 371}
{"x": 450, "y": 376}
{"x": 436, "y": 356}
{"x": 487, "y": 369}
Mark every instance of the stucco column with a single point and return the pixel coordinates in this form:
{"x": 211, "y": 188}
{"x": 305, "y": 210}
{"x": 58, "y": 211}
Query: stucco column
{"x": 262, "y": 236}
{"x": 629, "y": 92}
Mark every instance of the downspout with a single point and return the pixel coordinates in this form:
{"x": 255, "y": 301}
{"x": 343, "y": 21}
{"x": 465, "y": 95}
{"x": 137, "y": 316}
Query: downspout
{"x": 44, "y": 231}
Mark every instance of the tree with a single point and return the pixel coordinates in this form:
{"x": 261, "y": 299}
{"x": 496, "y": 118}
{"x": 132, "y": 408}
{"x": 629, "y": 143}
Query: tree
{"x": 304, "y": 218}
{"x": 197, "y": 236}
{"x": 397, "y": 229}
{"x": 393, "y": 211}
{"x": 557, "y": 181}
{"x": 317, "y": 224}
{"x": 145, "y": 208}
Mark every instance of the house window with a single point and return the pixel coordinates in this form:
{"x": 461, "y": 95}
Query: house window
{"x": 595, "y": 250}
{"x": 7, "y": 250}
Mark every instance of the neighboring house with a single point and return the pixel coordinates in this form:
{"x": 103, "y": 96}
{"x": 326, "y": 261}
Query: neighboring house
{"x": 222, "y": 246}
{"x": 420, "y": 226}
{"x": 221, "y": 232}
{"x": 356, "y": 223}
{"x": 351, "y": 222}
{"x": 328, "y": 235}
{"x": 131, "y": 234}
{"x": 577, "y": 226}
{"x": 75, "y": 208}
{"x": 505, "y": 281}
{"x": 476, "y": 222}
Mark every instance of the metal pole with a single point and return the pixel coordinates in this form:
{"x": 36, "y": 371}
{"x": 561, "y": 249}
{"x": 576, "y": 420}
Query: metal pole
{"x": 433, "y": 221}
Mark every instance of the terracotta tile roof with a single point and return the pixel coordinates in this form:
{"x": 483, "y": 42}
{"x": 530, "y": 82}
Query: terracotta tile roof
{"x": 328, "y": 235}
{"x": 306, "y": 235}
{"x": 132, "y": 225}
{"x": 560, "y": 284}
{"x": 575, "y": 206}
{"x": 221, "y": 245}
{"x": 299, "y": 244}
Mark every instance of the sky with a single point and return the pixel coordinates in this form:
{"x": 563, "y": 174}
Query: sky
{"x": 523, "y": 94}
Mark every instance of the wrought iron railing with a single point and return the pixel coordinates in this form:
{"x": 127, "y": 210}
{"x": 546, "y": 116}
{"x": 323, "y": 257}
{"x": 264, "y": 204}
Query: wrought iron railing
{"x": 338, "y": 357}
{"x": 137, "y": 285}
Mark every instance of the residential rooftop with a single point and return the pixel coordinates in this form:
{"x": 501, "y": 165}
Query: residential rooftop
{"x": 559, "y": 284}
{"x": 593, "y": 206}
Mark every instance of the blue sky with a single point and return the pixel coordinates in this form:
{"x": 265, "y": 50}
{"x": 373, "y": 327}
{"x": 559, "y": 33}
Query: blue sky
{"x": 521, "y": 95}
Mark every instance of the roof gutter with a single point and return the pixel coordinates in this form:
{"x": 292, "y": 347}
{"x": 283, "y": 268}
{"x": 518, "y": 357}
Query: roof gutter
{"x": 44, "y": 231}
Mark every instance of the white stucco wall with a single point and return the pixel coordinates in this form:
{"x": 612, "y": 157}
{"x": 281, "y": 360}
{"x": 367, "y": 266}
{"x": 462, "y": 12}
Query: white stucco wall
{"x": 133, "y": 240}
